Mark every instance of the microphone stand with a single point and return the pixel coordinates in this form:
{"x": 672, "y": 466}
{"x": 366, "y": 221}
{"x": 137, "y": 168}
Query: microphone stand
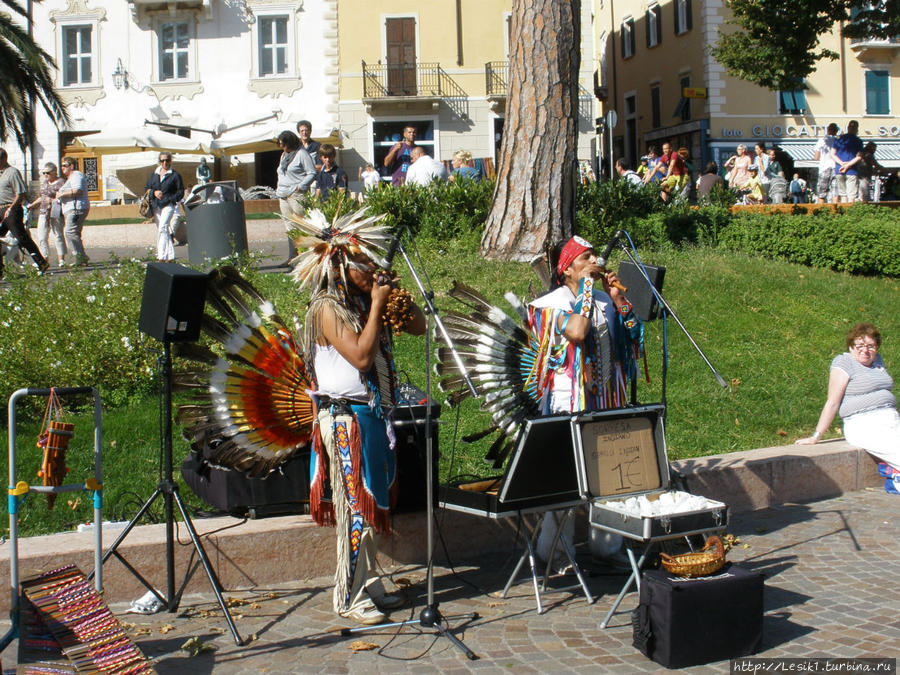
{"x": 430, "y": 617}
{"x": 668, "y": 309}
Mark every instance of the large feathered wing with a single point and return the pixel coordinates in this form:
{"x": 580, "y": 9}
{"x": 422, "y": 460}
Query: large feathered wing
{"x": 499, "y": 354}
{"x": 252, "y": 411}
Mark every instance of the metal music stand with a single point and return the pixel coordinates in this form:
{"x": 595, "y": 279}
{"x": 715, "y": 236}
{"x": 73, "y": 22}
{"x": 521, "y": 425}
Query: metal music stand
{"x": 430, "y": 617}
{"x": 530, "y": 481}
{"x": 671, "y": 312}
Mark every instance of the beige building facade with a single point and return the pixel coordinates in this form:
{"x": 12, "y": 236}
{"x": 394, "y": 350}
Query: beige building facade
{"x": 441, "y": 67}
{"x": 656, "y": 72}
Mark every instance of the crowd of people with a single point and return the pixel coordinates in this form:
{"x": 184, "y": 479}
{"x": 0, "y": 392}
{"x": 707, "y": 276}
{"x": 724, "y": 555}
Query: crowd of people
{"x": 847, "y": 172}
{"x": 62, "y": 205}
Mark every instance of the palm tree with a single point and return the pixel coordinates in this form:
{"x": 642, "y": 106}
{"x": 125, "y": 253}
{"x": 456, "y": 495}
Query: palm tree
{"x": 26, "y": 76}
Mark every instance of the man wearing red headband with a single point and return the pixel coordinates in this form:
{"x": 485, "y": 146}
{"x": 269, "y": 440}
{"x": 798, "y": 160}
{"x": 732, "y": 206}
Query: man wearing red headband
{"x": 590, "y": 338}
{"x": 590, "y": 342}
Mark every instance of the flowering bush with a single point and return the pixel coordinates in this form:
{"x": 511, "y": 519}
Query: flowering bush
{"x": 77, "y": 331}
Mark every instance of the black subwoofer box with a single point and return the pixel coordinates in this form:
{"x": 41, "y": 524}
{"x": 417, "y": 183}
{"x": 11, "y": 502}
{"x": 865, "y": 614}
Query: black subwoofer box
{"x": 286, "y": 490}
{"x": 687, "y": 622}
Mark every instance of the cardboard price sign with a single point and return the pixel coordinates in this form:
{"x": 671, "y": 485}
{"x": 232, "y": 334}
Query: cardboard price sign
{"x": 620, "y": 456}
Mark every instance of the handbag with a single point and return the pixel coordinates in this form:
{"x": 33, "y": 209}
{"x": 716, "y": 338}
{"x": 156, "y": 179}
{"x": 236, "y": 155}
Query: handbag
{"x": 145, "y": 209}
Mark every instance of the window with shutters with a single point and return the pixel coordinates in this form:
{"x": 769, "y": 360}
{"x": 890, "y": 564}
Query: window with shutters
{"x": 878, "y": 93}
{"x": 654, "y": 25}
{"x": 627, "y": 37}
{"x": 656, "y": 106}
{"x": 683, "y": 22}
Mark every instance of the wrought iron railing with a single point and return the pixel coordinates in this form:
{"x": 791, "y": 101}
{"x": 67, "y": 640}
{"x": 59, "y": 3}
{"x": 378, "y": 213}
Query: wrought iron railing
{"x": 875, "y": 42}
{"x": 495, "y": 77}
{"x": 407, "y": 79}
{"x": 388, "y": 80}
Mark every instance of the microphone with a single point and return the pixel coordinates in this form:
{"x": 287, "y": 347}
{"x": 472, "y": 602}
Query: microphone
{"x": 601, "y": 259}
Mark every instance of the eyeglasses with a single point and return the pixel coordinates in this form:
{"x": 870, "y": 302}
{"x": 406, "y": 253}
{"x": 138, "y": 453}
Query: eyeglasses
{"x": 165, "y": 159}
{"x": 865, "y": 346}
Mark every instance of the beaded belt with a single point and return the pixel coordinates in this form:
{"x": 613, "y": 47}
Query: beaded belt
{"x": 340, "y": 405}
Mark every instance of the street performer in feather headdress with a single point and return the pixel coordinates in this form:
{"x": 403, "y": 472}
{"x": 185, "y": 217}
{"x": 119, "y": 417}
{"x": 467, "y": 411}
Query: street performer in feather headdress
{"x": 589, "y": 344}
{"x": 353, "y": 471}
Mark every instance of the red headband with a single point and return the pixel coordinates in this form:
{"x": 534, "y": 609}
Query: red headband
{"x": 573, "y": 248}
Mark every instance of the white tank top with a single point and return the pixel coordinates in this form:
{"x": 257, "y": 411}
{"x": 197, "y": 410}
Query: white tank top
{"x": 336, "y": 376}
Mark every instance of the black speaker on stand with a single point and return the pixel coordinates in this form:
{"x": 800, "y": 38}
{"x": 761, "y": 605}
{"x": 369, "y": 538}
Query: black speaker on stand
{"x": 172, "y": 311}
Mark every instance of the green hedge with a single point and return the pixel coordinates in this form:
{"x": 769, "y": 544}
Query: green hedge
{"x": 438, "y": 212}
{"x": 858, "y": 240}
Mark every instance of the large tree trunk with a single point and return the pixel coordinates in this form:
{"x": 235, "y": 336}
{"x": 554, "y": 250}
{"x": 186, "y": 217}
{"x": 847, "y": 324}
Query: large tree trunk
{"x": 534, "y": 201}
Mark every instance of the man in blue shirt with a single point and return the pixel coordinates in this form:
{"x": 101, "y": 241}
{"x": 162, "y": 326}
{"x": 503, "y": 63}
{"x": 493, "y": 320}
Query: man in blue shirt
{"x": 657, "y": 168}
{"x": 846, "y": 148}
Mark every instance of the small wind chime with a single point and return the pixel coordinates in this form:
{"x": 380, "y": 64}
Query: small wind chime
{"x": 54, "y": 441}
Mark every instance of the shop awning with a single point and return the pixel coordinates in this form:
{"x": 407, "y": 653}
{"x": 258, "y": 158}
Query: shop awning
{"x": 803, "y": 153}
{"x": 258, "y": 138}
{"x": 122, "y": 141}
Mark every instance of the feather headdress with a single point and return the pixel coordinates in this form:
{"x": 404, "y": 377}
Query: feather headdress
{"x": 252, "y": 411}
{"x": 329, "y": 247}
{"x": 499, "y": 354}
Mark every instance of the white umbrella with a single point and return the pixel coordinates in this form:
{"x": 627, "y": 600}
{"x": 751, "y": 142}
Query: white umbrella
{"x": 121, "y": 141}
{"x": 257, "y": 138}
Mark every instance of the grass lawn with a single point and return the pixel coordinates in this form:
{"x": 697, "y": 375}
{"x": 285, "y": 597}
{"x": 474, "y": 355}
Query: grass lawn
{"x": 770, "y": 328}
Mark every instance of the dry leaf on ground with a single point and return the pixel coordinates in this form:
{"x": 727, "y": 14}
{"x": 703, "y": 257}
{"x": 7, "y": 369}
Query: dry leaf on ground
{"x": 196, "y": 646}
{"x": 362, "y": 646}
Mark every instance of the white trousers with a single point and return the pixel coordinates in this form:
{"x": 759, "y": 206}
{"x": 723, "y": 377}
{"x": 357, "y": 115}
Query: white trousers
{"x": 45, "y": 226}
{"x": 877, "y": 432}
{"x": 165, "y": 222}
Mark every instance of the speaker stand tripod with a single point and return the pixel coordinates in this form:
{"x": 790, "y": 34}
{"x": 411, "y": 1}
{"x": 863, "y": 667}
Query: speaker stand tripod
{"x": 168, "y": 490}
{"x": 430, "y": 617}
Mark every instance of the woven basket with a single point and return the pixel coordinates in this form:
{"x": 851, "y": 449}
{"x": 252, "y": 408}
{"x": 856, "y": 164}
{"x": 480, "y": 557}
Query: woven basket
{"x": 698, "y": 564}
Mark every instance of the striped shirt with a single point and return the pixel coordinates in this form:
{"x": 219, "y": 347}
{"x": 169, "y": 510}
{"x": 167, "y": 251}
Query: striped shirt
{"x": 869, "y": 387}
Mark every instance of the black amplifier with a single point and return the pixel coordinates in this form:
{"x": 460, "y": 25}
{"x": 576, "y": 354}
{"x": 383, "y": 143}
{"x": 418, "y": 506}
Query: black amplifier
{"x": 285, "y": 491}
{"x": 687, "y": 622}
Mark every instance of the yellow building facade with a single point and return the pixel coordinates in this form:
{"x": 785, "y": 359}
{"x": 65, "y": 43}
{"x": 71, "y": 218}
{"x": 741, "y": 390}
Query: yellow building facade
{"x": 657, "y": 74}
{"x": 441, "y": 67}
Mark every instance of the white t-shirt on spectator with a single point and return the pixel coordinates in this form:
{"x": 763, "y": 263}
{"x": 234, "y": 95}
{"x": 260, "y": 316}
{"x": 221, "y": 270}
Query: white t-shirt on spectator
{"x": 823, "y": 147}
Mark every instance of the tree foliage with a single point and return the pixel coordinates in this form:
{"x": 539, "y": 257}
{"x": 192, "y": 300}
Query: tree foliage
{"x": 26, "y": 75}
{"x": 777, "y": 43}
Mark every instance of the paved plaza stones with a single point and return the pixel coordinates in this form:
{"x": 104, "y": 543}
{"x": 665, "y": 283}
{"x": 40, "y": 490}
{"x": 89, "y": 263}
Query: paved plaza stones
{"x": 832, "y": 574}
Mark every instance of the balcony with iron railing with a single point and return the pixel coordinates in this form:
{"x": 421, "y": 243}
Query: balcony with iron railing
{"x": 496, "y": 82}
{"x": 870, "y": 48}
{"x": 496, "y": 75}
{"x": 424, "y": 82}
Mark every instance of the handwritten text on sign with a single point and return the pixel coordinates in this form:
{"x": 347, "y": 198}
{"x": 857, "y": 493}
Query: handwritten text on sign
{"x": 620, "y": 456}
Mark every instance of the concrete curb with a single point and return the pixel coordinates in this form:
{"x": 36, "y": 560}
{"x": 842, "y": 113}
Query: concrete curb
{"x": 253, "y": 553}
{"x": 143, "y": 235}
